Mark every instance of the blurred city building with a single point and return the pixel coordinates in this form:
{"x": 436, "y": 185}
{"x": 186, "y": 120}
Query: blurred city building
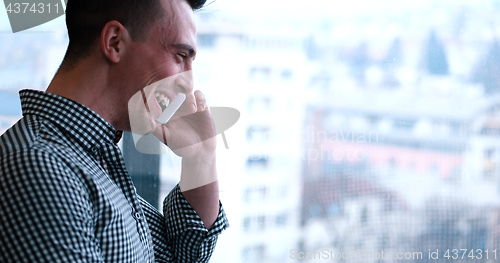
{"x": 377, "y": 132}
{"x": 402, "y": 147}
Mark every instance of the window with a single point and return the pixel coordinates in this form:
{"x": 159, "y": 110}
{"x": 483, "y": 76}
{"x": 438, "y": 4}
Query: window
{"x": 258, "y": 162}
{"x": 259, "y": 105}
{"x": 206, "y": 40}
{"x": 260, "y": 74}
{"x": 258, "y": 134}
{"x": 490, "y": 163}
{"x": 286, "y": 74}
{"x": 334, "y": 210}
{"x": 255, "y": 253}
{"x": 457, "y": 128}
{"x": 420, "y": 79}
{"x": 434, "y": 168}
{"x": 404, "y": 124}
{"x": 281, "y": 219}
{"x": 261, "y": 222}
{"x": 364, "y": 215}
{"x": 256, "y": 194}
{"x": 373, "y": 120}
{"x": 247, "y": 223}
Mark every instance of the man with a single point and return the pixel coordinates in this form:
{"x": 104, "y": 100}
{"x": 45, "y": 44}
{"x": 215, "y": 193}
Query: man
{"x": 65, "y": 195}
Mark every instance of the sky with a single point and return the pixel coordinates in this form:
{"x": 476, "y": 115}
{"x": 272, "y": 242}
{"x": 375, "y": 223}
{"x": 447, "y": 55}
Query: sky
{"x": 311, "y": 10}
{"x": 285, "y": 10}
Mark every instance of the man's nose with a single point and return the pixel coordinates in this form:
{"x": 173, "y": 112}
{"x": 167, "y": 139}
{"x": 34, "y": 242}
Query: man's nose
{"x": 184, "y": 81}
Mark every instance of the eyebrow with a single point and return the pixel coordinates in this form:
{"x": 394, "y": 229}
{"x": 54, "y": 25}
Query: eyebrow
{"x": 187, "y": 47}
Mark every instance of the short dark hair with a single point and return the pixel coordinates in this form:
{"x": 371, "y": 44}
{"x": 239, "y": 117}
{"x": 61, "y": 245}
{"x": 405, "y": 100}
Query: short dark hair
{"x": 86, "y": 18}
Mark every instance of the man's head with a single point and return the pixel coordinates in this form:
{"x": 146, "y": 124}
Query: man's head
{"x": 126, "y": 45}
{"x": 85, "y": 20}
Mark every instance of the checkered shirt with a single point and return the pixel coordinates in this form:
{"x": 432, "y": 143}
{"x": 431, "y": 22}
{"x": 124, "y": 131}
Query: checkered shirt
{"x": 65, "y": 195}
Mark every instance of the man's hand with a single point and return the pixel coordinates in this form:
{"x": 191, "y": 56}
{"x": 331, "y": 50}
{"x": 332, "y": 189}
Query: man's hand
{"x": 190, "y": 132}
{"x": 191, "y": 135}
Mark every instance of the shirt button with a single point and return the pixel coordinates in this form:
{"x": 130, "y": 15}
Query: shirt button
{"x": 137, "y": 215}
{"x": 93, "y": 150}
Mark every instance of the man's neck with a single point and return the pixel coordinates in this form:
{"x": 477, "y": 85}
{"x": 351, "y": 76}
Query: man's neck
{"x": 89, "y": 85}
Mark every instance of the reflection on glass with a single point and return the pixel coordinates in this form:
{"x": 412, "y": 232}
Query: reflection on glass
{"x": 363, "y": 126}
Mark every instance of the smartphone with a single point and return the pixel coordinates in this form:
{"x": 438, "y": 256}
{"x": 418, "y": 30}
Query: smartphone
{"x": 171, "y": 108}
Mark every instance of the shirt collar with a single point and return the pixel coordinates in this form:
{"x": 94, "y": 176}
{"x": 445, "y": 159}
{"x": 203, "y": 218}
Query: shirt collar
{"x": 80, "y": 122}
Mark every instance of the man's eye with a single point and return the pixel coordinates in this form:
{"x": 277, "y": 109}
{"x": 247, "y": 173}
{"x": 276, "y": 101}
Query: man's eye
{"x": 182, "y": 56}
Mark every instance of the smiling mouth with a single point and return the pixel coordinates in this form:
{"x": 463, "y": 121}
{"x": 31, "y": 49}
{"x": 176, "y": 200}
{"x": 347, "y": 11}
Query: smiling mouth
{"x": 162, "y": 100}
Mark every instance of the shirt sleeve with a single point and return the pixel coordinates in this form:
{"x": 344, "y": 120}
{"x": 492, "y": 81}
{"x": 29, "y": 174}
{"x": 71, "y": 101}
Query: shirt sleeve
{"x": 163, "y": 248}
{"x": 46, "y": 212}
{"x": 190, "y": 239}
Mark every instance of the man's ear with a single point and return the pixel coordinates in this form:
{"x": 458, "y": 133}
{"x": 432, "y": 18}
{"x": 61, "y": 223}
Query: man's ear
{"x": 113, "y": 39}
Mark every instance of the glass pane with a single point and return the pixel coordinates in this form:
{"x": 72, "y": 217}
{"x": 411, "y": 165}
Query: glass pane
{"x": 365, "y": 126}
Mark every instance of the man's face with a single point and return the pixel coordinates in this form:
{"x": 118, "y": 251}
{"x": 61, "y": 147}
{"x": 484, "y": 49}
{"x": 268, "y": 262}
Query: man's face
{"x": 161, "y": 66}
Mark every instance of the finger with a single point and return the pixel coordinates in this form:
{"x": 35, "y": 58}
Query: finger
{"x": 200, "y": 100}
{"x": 184, "y": 108}
{"x": 190, "y": 104}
